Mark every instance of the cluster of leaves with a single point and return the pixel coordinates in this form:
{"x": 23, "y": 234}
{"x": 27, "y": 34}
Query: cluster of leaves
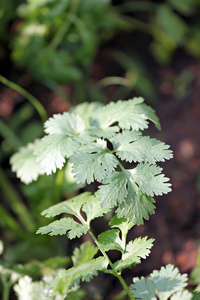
{"x": 57, "y": 41}
{"x": 97, "y": 140}
{"x": 173, "y": 24}
{"x": 103, "y": 144}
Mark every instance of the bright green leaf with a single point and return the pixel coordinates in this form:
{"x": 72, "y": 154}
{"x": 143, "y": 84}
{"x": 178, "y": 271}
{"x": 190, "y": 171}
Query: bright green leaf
{"x": 131, "y": 146}
{"x": 84, "y": 254}
{"x": 93, "y": 162}
{"x": 24, "y": 164}
{"x": 63, "y": 226}
{"x": 109, "y": 240}
{"x": 135, "y": 250}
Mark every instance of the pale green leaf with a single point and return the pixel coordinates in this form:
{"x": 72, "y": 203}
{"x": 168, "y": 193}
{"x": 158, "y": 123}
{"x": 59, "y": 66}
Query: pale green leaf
{"x": 93, "y": 208}
{"x": 168, "y": 280}
{"x": 67, "y": 124}
{"x": 52, "y": 151}
{"x": 143, "y": 289}
{"x": 119, "y": 189}
{"x": 183, "y": 295}
{"x": 150, "y": 180}
{"x": 113, "y": 190}
{"x": 71, "y": 206}
{"x": 131, "y": 146}
{"x": 122, "y": 223}
{"x": 109, "y": 240}
{"x": 63, "y": 226}
{"x": 163, "y": 284}
{"x": 84, "y": 254}
{"x": 130, "y": 114}
{"x": 135, "y": 250}
{"x": 93, "y": 162}
{"x": 84, "y": 272}
{"x": 24, "y": 164}
{"x": 137, "y": 206}
{"x": 86, "y": 111}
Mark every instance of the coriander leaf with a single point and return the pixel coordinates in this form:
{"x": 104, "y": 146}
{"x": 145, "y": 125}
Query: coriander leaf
{"x": 110, "y": 240}
{"x": 62, "y": 226}
{"x": 183, "y": 295}
{"x": 130, "y": 114}
{"x": 131, "y": 146}
{"x": 119, "y": 189}
{"x": 135, "y": 250}
{"x": 113, "y": 190}
{"x": 164, "y": 283}
{"x": 71, "y": 206}
{"x": 137, "y": 206}
{"x": 67, "y": 124}
{"x": 143, "y": 289}
{"x": 52, "y": 150}
{"x": 122, "y": 223}
{"x": 167, "y": 281}
{"x": 93, "y": 162}
{"x": 84, "y": 272}
{"x": 93, "y": 208}
{"x": 149, "y": 179}
{"x": 86, "y": 111}
{"x": 84, "y": 254}
{"x": 24, "y": 163}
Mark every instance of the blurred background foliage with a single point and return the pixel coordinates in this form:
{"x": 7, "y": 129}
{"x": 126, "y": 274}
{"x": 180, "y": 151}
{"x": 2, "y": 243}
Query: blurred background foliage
{"x": 91, "y": 50}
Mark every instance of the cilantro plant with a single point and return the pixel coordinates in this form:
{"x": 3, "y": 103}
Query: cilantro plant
{"x": 104, "y": 144}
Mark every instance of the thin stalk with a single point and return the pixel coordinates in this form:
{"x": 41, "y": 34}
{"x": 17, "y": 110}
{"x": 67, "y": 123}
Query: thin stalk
{"x": 59, "y": 36}
{"x": 15, "y": 202}
{"x": 6, "y": 291}
{"x": 113, "y": 80}
{"x": 123, "y": 283}
{"x": 7, "y": 133}
{"x": 38, "y": 106}
{"x": 10, "y": 223}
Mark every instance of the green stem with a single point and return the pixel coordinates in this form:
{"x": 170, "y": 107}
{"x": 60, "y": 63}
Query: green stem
{"x": 8, "y": 134}
{"x": 113, "y": 80}
{"x": 114, "y": 272}
{"x": 10, "y": 223}
{"x": 17, "y": 205}
{"x": 38, "y": 106}
{"x": 6, "y": 287}
{"x": 59, "y": 36}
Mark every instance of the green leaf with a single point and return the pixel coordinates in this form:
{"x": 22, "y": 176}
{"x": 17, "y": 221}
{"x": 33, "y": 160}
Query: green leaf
{"x": 71, "y": 206}
{"x": 168, "y": 280}
{"x": 171, "y": 24}
{"x": 164, "y": 283}
{"x": 143, "y": 289}
{"x": 183, "y": 295}
{"x": 137, "y": 207}
{"x": 110, "y": 240}
{"x": 122, "y": 223}
{"x": 63, "y": 226}
{"x": 93, "y": 209}
{"x": 24, "y": 163}
{"x": 84, "y": 272}
{"x": 149, "y": 179}
{"x": 67, "y": 124}
{"x": 121, "y": 189}
{"x": 131, "y": 146}
{"x": 93, "y": 162}
{"x": 64, "y": 138}
{"x": 113, "y": 190}
{"x": 130, "y": 114}
{"x": 84, "y": 254}
{"x": 135, "y": 250}
{"x": 52, "y": 151}
{"x": 86, "y": 111}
